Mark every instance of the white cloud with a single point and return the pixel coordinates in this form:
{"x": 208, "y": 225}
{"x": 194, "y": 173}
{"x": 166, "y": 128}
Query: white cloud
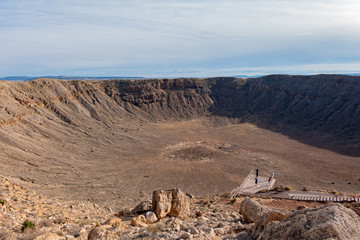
{"x": 64, "y": 36}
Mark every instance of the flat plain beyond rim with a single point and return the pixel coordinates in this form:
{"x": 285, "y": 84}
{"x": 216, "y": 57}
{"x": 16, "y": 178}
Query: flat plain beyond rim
{"x": 123, "y": 164}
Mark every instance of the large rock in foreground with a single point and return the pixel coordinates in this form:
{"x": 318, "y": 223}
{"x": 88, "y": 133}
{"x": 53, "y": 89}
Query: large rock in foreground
{"x": 161, "y": 202}
{"x": 332, "y": 221}
{"x": 173, "y": 203}
{"x": 267, "y": 218}
{"x": 252, "y": 210}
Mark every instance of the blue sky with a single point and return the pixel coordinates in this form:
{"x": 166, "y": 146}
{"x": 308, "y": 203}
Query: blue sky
{"x": 174, "y": 38}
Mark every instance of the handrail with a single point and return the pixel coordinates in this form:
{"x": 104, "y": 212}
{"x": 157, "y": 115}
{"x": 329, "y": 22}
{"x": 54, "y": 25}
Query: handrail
{"x": 271, "y": 184}
{"x": 238, "y": 189}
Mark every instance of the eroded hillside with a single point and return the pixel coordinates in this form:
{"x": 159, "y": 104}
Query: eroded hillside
{"x": 324, "y": 102}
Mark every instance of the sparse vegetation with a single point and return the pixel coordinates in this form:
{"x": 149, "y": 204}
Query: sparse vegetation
{"x": 305, "y": 189}
{"x": 333, "y": 191}
{"x": 215, "y": 210}
{"x": 225, "y": 195}
{"x": 2, "y": 202}
{"x": 233, "y": 201}
{"x": 288, "y": 188}
{"x": 27, "y": 224}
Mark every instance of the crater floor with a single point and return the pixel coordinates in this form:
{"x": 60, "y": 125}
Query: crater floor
{"x": 122, "y": 165}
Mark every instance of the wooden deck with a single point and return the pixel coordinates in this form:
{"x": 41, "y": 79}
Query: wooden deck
{"x": 248, "y": 186}
{"x": 322, "y": 198}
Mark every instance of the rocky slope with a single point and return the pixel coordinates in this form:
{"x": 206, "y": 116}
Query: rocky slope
{"x": 172, "y": 214}
{"x": 325, "y": 102}
{"x": 329, "y": 103}
{"x": 69, "y": 219}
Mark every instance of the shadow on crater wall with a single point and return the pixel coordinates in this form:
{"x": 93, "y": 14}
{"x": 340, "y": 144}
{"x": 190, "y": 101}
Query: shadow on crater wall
{"x": 320, "y": 110}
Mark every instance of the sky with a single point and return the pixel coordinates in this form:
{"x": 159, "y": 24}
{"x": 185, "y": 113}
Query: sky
{"x": 178, "y": 38}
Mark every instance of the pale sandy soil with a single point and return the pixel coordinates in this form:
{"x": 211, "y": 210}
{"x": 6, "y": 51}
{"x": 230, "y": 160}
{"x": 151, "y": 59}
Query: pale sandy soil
{"x": 121, "y": 163}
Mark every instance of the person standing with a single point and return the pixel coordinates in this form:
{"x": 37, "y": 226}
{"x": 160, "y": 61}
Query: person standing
{"x": 256, "y": 181}
{"x": 272, "y": 175}
{"x": 257, "y": 172}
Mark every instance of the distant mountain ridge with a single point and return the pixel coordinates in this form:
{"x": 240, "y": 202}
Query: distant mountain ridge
{"x": 61, "y": 77}
{"x": 26, "y": 78}
{"x": 263, "y": 75}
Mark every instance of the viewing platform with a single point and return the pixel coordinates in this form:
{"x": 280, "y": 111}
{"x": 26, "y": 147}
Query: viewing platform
{"x": 249, "y": 186}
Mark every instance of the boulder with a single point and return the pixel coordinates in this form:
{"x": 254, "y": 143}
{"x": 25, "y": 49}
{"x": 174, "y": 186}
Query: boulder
{"x": 173, "y": 203}
{"x": 180, "y": 205}
{"x": 220, "y": 231}
{"x": 83, "y": 234}
{"x": 139, "y": 221}
{"x": 102, "y": 232}
{"x": 199, "y": 214}
{"x": 202, "y": 221}
{"x": 357, "y": 210}
{"x": 161, "y": 202}
{"x": 185, "y": 235}
{"x": 239, "y": 227}
{"x": 72, "y": 229}
{"x": 193, "y": 230}
{"x": 271, "y": 216}
{"x": 331, "y": 221}
{"x": 356, "y": 207}
{"x": 252, "y": 210}
{"x": 268, "y": 217}
{"x": 108, "y": 230}
{"x": 151, "y": 217}
{"x": 50, "y": 236}
{"x": 174, "y": 224}
{"x": 210, "y": 232}
{"x": 116, "y": 223}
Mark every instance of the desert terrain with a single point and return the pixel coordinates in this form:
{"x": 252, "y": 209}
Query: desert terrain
{"x": 113, "y": 142}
